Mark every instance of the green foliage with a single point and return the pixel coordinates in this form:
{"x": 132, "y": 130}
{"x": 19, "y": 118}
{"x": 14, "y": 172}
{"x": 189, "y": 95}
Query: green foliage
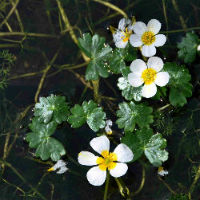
{"x": 129, "y": 92}
{"x": 188, "y": 47}
{"x": 46, "y": 146}
{"x": 130, "y": 114}
{"x": 52, "y": 108}
{"x": 179, "y": 197}
{"x": 6, "y": 62}
{"x": 143, "y": 141}
{"x": 180, "y": 87}
{"x": 119, "y": 56}
{"x": 96, "y": 49}
{"x": 89, "y": 112}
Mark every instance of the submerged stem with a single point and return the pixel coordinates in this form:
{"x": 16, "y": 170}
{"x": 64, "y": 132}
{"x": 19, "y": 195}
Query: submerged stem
{"x": 106, "y": 187}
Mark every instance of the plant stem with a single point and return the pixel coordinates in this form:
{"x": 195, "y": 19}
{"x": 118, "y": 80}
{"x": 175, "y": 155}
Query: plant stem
{"x": 106, "y": 187}
{"x": 122, "y": 187}
{"x": 95, "y": 84}
{"x": 27, "y": 34}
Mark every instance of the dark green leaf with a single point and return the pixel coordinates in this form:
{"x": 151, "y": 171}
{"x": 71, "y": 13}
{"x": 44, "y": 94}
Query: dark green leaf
{"x": 52, "y": 108}
{"x": 39, "y": 138}
{"x": 95, "y": 48}
{"x": 130, "y": 114}
{"x": 180, "y": 87}
{"x": 188, "y": 47}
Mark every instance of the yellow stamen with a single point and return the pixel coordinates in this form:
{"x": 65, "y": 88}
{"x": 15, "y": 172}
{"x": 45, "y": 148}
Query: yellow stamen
{"x": 109, "y": 133}
{"x": 126, "y": 35}
{"x": 51, "y": 169}
{"x": 149, "y": 76}
{"x": 112, "y": 29}
{"x": 160, "y": 169}
{"x": 148, "y": 38}
{"x": 107, "y": 161}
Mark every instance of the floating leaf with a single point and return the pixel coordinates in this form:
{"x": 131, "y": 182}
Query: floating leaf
{"x": 89, "y": 112}
{"x": 180, "y": 87}
{"x": 188, "y": 47}
{"x": 52, "y": 108}
{"x": 130, "y": 114}
{"x": 95, "y": 48}
{"x": 46, "y": 146}
{"x": 129, "y": 92}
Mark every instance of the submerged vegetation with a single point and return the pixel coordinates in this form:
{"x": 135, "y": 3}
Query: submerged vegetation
{"x": 119, "y": 78}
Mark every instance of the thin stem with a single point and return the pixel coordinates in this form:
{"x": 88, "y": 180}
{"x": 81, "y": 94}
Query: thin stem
{"x": 122, "y": 188}
{"x": 27, "y": 34}
{"x": 106, "y": 187}
{"x": 110, "y": 5}
{"x": 164, "y": 107}
{"x": 166, "y": 184}
{"x": 96, "y": 91}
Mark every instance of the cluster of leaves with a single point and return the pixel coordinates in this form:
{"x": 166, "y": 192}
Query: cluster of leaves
{"x": 6, "y": 62}
{"x": 49, "y": 112}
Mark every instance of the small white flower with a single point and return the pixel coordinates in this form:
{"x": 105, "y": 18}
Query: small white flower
{"x": 198, "y": 47}
{"x": 61, "y": 165}
{"x": 149, "y": 74}
{"x": 108, "y": 127}
{"x": 147, "y": 37}
{"x": 162, "y": 172}
{"x": 123, "y": 33}
{"x": 113, "y": 162}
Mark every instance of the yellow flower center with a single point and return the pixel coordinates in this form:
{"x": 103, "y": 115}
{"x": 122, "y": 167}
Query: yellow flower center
{"x": 107, "y": 160}
{"x": 149, "y": 76}
{"x": 148, "y": 38}
{"x": 126, "y": 35}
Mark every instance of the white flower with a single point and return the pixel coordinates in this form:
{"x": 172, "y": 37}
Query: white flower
{"x": 108, "y": 127}
{"x": 198, "y": 47}
{"x": 61, "y": 165}
{"x": 113, "y": 162}
{"x": 123, "y": 33}
{"x": 162, "y": 172}
{"x": 147, "y": 37}
{"x": 149, "y": 74}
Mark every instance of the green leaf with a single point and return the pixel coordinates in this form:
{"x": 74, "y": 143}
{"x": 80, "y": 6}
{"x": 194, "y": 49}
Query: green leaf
{"x": 136, "y": 141}
{"x": 39, "y": 138}
{"x": 188, "y": 48}
{"x": 155, "y": 151}
{"x": 180, "y": 87}
{"x": 89, "y": 112}
{"x": 130, "y": 114}
{"x": 129, "y": 92}
{"x": 95, "y": 48}
{"x": 52, "y": 108}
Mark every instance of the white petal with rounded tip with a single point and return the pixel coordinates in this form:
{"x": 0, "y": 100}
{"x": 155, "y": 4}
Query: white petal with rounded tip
{"x": 123, "y": 23}
{"x": 138, "y": 66}
{"x": 124, "y": 153}
{"x": 59, "y": 164}
{"x": 162, "y": 78}
{"x": 156, "y": 63}
{"x": 95, "y": 176}
{"x": 135, "y": 80}
{"x": 148, "y": 50}
{"x": 139, "y": 28}
{"x": 62, "y": 170}
{"x": 117, "y": 36}
{"x": 121, "y": 44}
{"x": 149, "y": 90}
{"x": 100, "y": 144}
{"x": 160, "y": 40}
{"x": 87, "y": 158}
{"x": 135, "y": 40}
{"x": 154, "y": 25}
{"x": 119, "y": 170}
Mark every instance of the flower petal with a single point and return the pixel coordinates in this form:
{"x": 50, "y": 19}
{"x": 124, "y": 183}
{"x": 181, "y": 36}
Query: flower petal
{"x": 160, "y": 40}
{"x": 100, "y": 144}
{"x": 95, "y": 176}
{"x": 162, "y": 79}
{"x": 139, "y": 28}
{"x": 154, "y": 25}
{"x": 119, "y": 170}
{"x": 135, "y": 40}
{"x": 148, "y": 50}
{"x": 124, "y": 153}
{"x": 149, "y": 90}
{"x": 123, "y": 23}
{"x": 60, "y": 163}
{"x": 155, "y": 63}
{"x": 121, "y": 44}
{"x": 62, "y": 170}
{"x": 87, "y": 158}
{"x": 138, "y": 66}
{"x": 135, "y": 80}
